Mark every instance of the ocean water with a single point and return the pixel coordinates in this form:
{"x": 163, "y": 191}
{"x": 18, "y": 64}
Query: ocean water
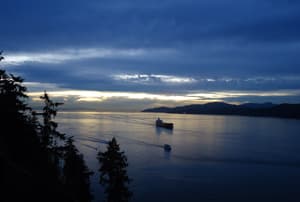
{"x": 213, "y": 158}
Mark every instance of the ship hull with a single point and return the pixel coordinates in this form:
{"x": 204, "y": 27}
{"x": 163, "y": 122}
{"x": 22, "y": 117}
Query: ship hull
{"x": 165, "y": 125}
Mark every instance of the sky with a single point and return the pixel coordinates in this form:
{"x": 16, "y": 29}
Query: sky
{"x": 127, "y": 55}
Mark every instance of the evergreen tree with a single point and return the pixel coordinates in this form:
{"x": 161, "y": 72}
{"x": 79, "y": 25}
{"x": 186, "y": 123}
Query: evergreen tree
{"x": 14, "y": 125}
{"x": 27, "y": 174}
{"x": 51, "y": 139}
{"x": 30, "y": 152}
{"x": 50, "y": 135}
{"x": 76, "y": 174}
{"x": 113, "y": 173}
{"x": 12, "y": 96}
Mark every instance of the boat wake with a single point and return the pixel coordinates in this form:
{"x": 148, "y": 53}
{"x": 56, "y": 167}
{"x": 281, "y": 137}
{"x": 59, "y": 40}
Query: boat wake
{"x": 103, "y": 141}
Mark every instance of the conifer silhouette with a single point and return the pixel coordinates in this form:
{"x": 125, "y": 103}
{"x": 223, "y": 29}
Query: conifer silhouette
{"x": 31, "y": 153}
{"x": 113, "y": 173}
{"x": 76, "y": 173}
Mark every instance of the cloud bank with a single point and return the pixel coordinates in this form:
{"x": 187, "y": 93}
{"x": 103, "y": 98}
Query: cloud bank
{"x": 156, "y": 47}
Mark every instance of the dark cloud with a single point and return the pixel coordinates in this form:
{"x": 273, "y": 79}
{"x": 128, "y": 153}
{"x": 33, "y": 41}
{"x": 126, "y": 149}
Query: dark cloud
{"x": 142, "y": 23}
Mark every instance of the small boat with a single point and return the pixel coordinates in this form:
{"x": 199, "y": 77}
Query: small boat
{"x": 160, "y": 123}
{"x": 167, "y": 147}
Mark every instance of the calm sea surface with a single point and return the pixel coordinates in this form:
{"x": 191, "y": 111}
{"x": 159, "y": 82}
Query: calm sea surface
{"x": 213, "y": 158}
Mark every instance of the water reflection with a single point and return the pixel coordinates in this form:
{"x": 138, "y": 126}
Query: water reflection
{"x": 167, "y": 155}
{"x": 160, "y": 130}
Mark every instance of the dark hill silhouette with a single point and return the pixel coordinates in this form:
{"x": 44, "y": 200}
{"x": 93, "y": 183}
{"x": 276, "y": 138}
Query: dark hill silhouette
{"x": 265, "y": 105}
{"x": 249, "y": 109}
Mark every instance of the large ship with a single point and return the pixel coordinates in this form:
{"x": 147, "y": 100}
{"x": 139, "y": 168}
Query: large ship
{"x": 160, "y": 123}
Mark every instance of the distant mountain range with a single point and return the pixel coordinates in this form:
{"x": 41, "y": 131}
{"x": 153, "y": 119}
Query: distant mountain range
{"x": 248, "y": 109}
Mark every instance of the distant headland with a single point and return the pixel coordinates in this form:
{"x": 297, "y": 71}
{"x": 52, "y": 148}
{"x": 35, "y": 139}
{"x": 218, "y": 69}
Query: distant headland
{"x": 249, "y": 109}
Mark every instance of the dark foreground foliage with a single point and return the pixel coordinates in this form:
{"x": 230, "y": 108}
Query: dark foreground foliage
{"x": 37, "y": 163}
